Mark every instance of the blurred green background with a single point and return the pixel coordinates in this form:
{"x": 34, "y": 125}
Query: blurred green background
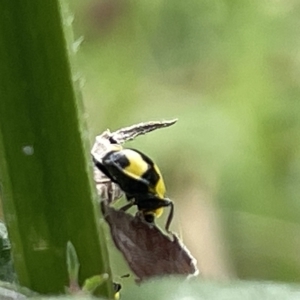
{"x": 230, "y": 72}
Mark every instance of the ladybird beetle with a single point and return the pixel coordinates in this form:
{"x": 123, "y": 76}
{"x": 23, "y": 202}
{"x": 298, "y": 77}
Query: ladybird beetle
{"x": 141, "y": 180}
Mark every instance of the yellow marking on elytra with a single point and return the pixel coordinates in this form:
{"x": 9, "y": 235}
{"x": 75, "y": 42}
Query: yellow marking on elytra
{"x": 137, "y": 165}
{"x": 160, "y": 187}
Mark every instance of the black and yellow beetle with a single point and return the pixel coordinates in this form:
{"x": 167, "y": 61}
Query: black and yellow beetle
{"x": 117, "y": 287}
{"x": 140, "y": 179}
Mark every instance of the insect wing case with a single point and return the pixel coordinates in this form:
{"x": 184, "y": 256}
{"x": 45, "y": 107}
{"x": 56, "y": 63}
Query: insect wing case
{"x": 124, "y": 170}
{"x": 108, "y": 190}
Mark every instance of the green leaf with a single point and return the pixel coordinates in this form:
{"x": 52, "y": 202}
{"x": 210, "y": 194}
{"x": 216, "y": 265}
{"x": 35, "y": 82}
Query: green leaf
{"x": 92, "y": 283}
{"x": 46, "y": 185}
{"x": 72, "y": 263}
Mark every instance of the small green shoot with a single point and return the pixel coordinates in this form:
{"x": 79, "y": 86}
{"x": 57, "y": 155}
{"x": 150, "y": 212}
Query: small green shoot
{"x": 73, "y": 268}
{"x": 73, "y": 265}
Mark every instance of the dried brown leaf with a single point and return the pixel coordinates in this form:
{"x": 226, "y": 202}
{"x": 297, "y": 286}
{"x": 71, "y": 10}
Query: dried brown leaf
{"x": 146, "y": 249}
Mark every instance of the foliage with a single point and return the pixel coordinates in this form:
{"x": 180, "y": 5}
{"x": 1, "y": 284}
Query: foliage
{"x": 46, "y": 187}
{"x": 229, "y": 70}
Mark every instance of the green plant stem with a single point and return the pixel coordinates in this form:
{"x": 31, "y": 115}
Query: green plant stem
{"x": 46, "y": 183}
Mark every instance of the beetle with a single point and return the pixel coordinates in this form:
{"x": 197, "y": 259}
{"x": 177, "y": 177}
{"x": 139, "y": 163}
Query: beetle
{"x": 140, "y": 179}
{"x": 117, "y": 287}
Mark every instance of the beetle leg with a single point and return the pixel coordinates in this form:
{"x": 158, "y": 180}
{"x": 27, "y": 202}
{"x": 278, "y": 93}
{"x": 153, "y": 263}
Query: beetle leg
{"x": 165, "y": 203}
{"x": 127, "y": 206}
{"x": 170, "y": 216}
{"x": 156, "y": 203}
{"x": 129, "y": 197}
